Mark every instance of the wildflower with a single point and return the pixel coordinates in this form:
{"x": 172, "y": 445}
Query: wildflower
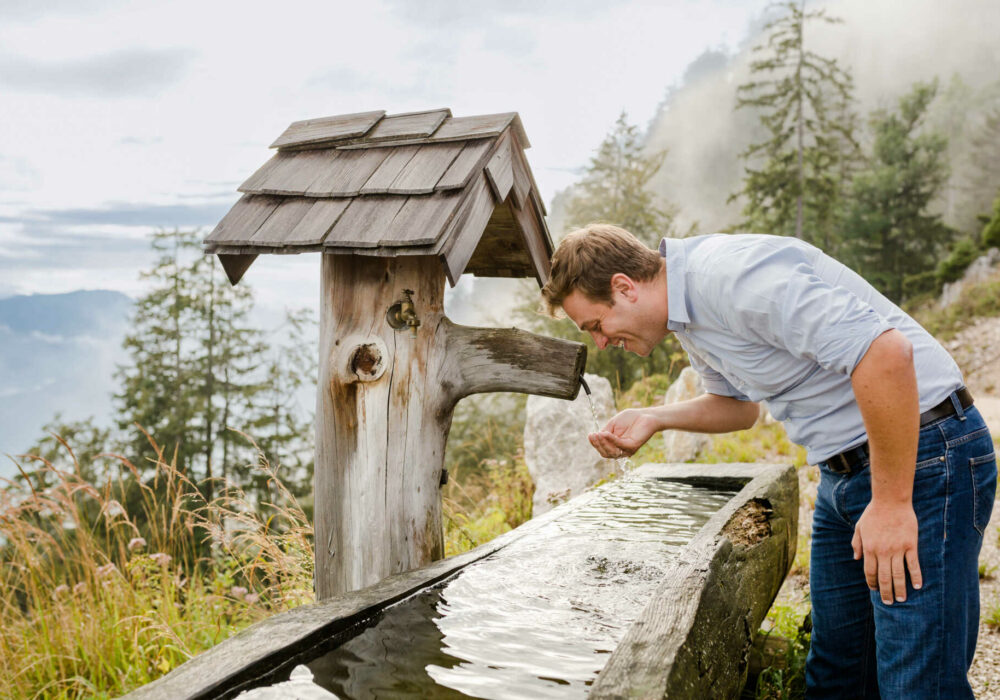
{"x": 161, "y": 558}
{"x": 106, "y": 570}
{"x": 112, "y": 509}
{"x": 238, "y": 592}
{"x": 60, "y": 590}
{"x": 79, "y": 588}
{"x": 136, "y": 543}
{"x": 252, "y": 598}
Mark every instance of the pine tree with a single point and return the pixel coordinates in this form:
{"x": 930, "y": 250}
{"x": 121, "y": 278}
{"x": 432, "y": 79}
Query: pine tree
{"x": 892, "y": 238}
{"x": 614, "y": 189}
{"x": 795, "y": 177}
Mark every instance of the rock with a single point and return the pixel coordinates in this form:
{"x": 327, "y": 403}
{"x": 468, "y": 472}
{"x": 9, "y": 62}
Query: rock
{"x": 679, "y": 446}
{"x": 561, "y": 460}
{"x": 981, "y": 269}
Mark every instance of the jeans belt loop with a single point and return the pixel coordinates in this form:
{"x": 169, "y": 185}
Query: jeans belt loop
{"x": 959, "y": 411}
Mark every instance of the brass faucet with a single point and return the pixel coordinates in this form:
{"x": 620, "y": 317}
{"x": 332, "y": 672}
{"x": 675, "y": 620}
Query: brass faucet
{"x": 402, "y": 314}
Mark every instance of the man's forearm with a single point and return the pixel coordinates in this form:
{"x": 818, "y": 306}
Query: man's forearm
{"x": 885, "y": 387}
{"x": 708, "y": 413}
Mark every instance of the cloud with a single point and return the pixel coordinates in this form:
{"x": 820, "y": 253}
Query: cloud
{"x": 125, "y": 73}
{"x": 165, "y": 216}
{"x": 31, "y": 10}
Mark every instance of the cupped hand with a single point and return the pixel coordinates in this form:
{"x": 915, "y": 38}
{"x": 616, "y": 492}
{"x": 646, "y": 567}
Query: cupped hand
{"x": 625, "y": 433}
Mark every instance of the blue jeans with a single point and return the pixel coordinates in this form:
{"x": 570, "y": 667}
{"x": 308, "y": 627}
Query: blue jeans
{"x": 923, "y": 647}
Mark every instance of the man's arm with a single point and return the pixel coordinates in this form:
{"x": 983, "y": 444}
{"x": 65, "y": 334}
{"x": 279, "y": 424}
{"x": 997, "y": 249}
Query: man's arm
{"x": 708, "y": 413}
{"x": 885, "y": 387}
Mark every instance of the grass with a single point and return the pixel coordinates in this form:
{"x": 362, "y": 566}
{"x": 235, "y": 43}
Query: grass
{"x": 106, "y": 588}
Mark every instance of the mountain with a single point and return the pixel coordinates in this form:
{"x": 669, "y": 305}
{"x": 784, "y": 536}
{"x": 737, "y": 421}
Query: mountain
{"x": 58, "y": 354}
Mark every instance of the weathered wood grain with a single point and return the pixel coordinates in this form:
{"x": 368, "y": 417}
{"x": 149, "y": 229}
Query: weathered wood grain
{"x": 459, "y": 129}
{"x": 347, "y": 172}
{"x": 408, "y": 126}
{"x": 243, "y": 220}
{"x": 381, "y": 180}
{"x": 522, "y": 180}
{"x": 499, "y": 171}
{"x": 501, "y": 250}
{"x": 467, "y": 228}
{"x": 275, "y": 230}
{"x": 328, "y": 129}
{"x": 236, "y": 266}
{"x": 294, "y": 172}
{"x": 535, "y": 238}
{"x": 364, "y": 221}
{"x": 462, "y": 169}
{"x": 421, "y": 220}
{"x": 421, "y": 173}
{"x": 317, "y": 222}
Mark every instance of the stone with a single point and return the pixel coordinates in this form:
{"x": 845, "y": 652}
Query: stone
{"x": 981, "y": 269}
{"x": 679, "y": 446}
{"x": 560, "y": 459}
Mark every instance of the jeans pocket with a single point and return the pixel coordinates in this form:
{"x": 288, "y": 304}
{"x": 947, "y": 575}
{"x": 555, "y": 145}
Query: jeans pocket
{"x": 984, "y": 484}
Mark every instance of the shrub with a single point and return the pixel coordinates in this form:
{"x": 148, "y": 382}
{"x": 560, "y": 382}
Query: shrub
{"x": 955, "y": 265}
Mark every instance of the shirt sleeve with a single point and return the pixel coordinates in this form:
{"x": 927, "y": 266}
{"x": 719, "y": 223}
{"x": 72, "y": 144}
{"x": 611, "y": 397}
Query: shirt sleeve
{"x": 776, "y": 297}
{"x": 712, "y": 380}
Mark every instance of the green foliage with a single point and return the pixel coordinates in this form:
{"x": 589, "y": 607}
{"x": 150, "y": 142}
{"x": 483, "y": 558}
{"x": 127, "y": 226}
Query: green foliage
{"x": 795, "y": 177}
{"x": 482, "y": 503}
{"x": 761, "y": 443}
{"x": 890, "y": 231}
{"x": 991, "y": 231}
{"x": 614, "y": 188}
{"x": 962, "y": 255}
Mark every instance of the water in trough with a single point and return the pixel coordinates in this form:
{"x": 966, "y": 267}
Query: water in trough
{"x": 537, "y": 619}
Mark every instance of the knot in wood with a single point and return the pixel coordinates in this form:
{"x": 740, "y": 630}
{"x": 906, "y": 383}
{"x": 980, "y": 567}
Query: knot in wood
{"x": 367, "y": 362}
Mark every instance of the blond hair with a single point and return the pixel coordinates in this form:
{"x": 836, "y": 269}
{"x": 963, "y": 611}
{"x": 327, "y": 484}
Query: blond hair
{"x": 587, "y": 259}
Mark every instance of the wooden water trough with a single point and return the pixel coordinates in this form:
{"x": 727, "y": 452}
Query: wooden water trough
{"x": 397, "y": 204}
{"x": 692, "y": 639}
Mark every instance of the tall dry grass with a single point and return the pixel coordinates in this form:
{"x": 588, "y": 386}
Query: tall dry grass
{"x": 106, "y": 587}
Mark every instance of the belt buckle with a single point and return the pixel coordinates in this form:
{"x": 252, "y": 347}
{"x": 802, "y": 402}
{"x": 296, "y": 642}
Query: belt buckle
{"x": 838, "y": 464}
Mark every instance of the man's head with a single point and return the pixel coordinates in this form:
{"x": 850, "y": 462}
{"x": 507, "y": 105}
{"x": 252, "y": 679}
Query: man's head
{"x": 609, "y": 283}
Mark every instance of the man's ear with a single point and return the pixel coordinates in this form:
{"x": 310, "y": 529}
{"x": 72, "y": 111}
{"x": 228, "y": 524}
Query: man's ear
{"x": 624, "y": 285}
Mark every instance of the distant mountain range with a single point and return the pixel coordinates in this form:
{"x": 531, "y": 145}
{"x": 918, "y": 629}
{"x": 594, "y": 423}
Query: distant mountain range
{"x": 58, "y": 354}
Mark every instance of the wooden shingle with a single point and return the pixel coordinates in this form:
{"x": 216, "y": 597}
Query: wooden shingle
{"x": 417, "y": 184}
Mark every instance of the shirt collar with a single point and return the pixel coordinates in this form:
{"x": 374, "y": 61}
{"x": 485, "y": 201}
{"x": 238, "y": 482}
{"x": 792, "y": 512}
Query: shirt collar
{"x": 677, "y": 314}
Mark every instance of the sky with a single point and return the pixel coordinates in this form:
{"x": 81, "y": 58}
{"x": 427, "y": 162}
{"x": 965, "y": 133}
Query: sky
{"x": 124, "y": 117}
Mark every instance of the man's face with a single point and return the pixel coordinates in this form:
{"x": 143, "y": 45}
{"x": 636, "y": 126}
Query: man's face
{"x": 621, "y": 323}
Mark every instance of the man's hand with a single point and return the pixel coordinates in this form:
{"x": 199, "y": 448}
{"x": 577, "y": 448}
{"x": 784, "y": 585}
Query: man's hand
{"x": 886, "y": 536}
{"x": 625, "y": 433}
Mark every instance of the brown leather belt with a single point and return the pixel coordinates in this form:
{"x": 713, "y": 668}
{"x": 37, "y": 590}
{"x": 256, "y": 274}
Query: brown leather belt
{"x": 848, "y": 460}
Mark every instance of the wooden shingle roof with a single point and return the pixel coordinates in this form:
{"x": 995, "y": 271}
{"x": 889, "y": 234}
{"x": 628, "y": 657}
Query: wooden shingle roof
{"x": 422, "y": 183}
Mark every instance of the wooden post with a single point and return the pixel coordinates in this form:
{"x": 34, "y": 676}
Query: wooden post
{"x": 384, "y": 406}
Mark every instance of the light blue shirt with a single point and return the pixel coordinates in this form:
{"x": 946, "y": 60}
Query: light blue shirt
{"x": 774, "y": 319}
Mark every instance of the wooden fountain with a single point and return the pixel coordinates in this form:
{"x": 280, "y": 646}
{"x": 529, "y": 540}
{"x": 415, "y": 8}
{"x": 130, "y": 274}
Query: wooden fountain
{"x": 396, "y": 205}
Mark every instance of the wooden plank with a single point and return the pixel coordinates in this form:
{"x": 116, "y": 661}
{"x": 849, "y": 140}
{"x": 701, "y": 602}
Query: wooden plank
{"x": 425, "y": 168}
{"x": 473, "y": 127}
{"x": 535, "y": 237}
{"x": 236, "y": 266}
{"x": 408, "y": 126}
{"x": 347, "y": 172}
{"x": 522, "y": 181}
{"x": 295, "y": 172}
{"x": 381, "y": 180}
{"x": 421, "y": 220}
{"x": 465, "y": 164}
{"x": 499, "y": 171}
{"x": 317, "y": 222}
{"x": 467, "y": 228}
{"x": 243, "y": 220}
{"x": 286, "y": 217}
{"x": 328, "y": 129}
{"x": 262, "y": 173}
{"x": 364, "y": 221}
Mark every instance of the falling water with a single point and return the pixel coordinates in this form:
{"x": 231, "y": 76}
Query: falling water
{"x": 623, "y": 465}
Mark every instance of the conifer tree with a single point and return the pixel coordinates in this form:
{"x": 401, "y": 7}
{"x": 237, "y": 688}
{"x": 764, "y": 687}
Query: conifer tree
{"x": 892, "y": 237}
{"x": 795, "y": 176}
{"x": 614, "y": 189}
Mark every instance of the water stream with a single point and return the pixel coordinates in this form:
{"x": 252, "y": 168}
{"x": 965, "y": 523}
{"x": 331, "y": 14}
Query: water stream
{"x": 623, "y": 465}
{"x": 537, "y": 619}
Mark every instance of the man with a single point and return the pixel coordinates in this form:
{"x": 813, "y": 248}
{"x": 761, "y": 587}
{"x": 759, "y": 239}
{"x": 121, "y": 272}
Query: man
{"x": 907, "y": 465}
